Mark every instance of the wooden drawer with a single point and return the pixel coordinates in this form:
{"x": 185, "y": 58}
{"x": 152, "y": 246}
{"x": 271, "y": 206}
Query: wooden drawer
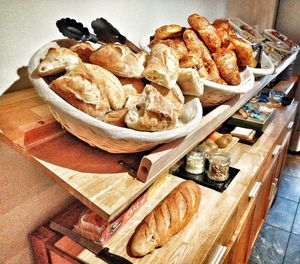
{"x": 222, "y": 246}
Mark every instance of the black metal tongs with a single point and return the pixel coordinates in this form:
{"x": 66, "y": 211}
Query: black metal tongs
{"x": 104, "y": 32}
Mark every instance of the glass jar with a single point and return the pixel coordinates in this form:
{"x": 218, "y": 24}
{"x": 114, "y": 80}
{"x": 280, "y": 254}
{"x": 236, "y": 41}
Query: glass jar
{"x": 195, "y": 162}
{"x": 219, "y": 166}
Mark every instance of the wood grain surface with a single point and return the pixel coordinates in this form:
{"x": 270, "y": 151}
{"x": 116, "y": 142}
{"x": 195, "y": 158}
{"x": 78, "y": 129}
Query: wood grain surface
{"x": 218, "y": 212}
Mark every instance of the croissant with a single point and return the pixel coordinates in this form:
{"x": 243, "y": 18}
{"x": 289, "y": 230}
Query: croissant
{"x": 206, "y": 31}
{"x": 225, "y": 25}
{"x": 223, "y": 34}
{"x": 194, "y": 44}
{"x": 168, "y": 31}
{"x": 243, "y": 52}
{"x": 226, "y": 62}
{"x": 242, "y": 49}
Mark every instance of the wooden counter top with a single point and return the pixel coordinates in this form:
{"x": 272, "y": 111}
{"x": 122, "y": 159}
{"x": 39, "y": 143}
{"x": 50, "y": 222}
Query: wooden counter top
{"x": 196, "y": 242}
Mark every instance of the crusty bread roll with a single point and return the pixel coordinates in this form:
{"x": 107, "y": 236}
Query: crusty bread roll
{"x": 163, "y": 66}
{"x": 189, "y": 82}
{"x": 78, "y": 89}
{"x": 168, "y": 31}
{"x": 57, "y": 60}
{"x": 174, "y": 96}
{"x": 176, "y": 44}
{"x": 137, "y": 84}
{"x": 116, "y": 118}
{"x": 84, "y": 50}
{"x": 169, "y": 217}
{"x": 150, "y": 111}
{"x": 108, "y": 83}
{"x": 120, "y": 60}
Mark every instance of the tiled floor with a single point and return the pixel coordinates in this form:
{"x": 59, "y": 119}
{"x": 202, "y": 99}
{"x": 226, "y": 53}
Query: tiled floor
{"x": 279, "y": 239}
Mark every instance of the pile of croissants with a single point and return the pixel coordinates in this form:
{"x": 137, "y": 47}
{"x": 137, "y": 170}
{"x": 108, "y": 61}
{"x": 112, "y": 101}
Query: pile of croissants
{"x": 214, "y": 50}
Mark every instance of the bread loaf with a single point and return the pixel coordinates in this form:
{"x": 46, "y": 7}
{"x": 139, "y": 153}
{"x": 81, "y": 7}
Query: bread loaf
{"x": 78, "y": 89}
{"x": 162, "y": 67}
{"x": 120, "y": 60}
{"x": 150, "y": 111}
{"x": 169, "y": 217}
{"x": 57, "y": 60}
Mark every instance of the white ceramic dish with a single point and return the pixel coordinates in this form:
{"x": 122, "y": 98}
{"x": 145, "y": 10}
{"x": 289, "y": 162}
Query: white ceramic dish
{"x": 100, "y": 134}
{"x": 237, "y": 23}
{"x": 284, "y": 44}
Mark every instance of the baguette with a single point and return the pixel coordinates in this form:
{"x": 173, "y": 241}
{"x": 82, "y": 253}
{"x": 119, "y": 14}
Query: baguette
{"x": 189, "y": 82}
{"x": 109, "y": 84}
{"x": 150, "y": 111}
{"x": 58, "y": 60}
{"x": 120, "y": 60}
{"x": 84, "y": 50}
{"x": 169, "y": 217}
{"x": 163, "y": 66}
{"x": 78, "y": 89}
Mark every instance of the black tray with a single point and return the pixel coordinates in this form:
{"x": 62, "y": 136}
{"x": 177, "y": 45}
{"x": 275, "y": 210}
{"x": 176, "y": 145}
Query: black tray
{"x": 203, "y": 179}
{"x": 228, "y": 128}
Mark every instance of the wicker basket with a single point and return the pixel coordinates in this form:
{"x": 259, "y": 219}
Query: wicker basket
{"x": 108, "y": 137}
{"x": 216, "y": 94}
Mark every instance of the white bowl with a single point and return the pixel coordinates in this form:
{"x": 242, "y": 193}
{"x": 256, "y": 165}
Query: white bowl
{"x": 111, "y": 138}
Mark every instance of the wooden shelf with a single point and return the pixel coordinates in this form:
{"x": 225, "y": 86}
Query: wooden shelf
{"x": 93, "y": 176}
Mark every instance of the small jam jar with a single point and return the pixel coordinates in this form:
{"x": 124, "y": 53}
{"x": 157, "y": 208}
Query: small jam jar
{"x": 219, "y": 166}
{"x": 195, "y": 162}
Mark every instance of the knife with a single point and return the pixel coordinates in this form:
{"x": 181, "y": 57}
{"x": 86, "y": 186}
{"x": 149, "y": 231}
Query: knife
{"x": 100, "y": 252}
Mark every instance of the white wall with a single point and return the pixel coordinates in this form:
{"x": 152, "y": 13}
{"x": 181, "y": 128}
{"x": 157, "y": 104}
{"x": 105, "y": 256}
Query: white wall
{"x": 27, "y": 25}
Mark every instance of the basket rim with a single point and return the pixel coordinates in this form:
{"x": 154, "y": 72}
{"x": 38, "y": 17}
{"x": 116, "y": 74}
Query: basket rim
{"x": 115, "y": 132}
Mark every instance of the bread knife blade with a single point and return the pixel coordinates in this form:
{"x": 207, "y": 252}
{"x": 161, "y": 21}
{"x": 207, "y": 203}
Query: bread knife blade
{"x": 100, "y": 251}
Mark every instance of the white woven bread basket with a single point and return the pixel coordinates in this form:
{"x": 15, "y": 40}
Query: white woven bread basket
{"x": 108, "y": 137}
{"x": 216, "y": 94}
